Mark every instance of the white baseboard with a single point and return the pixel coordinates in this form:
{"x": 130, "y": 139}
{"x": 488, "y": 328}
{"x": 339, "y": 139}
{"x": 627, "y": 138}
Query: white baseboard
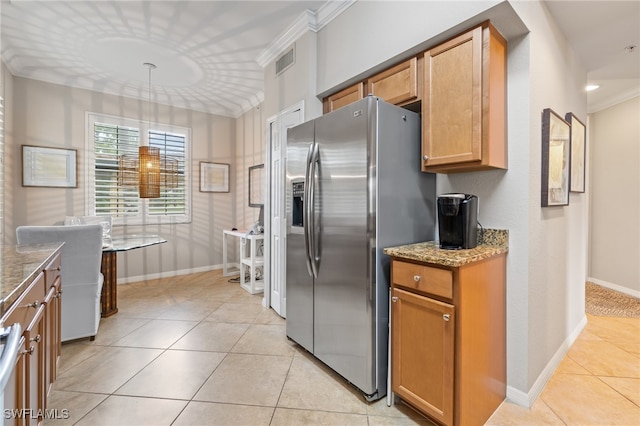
{"x": 615, "y": 287}
{"x": 172, "y": 273}
{"x": 518, "y": 397}
{"x": 527, "y": 399}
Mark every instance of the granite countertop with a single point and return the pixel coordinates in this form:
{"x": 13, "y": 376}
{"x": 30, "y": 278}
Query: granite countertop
{"x": 19, "y": 266}
{"x": 496, "y": 241}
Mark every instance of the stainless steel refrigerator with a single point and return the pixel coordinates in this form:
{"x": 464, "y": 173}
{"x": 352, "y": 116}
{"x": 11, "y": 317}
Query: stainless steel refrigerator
{"x": 353, "y": 187}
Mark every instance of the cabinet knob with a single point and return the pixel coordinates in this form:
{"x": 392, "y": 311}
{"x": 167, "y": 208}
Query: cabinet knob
{"x": 416, "y": 278}
{"x": 36, "y": 339}
{"x": 30, "y": 350}
{"x": 394, "y": 299}
{"x": 425, "y": 157}
{"x": 446, "y": 317}
{"x": 34, "y": 304}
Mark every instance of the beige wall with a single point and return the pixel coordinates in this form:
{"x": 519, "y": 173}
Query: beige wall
{"x": 615, "y": 197}
{"x": 249, "y": 152}
{"x": 52, "y": 115}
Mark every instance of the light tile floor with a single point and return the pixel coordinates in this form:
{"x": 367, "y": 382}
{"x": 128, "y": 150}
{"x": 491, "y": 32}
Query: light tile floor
{"x": 198, "y": 350}
{"x": 597, "y": 382}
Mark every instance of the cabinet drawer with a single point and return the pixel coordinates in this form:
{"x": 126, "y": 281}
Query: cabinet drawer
{"x": 344, "y": 97}
{"x": 25, "y": 307}
{"x": 398, "y": 84}
{"x": 52, "y": 272}
{"x": 423, "y": 278}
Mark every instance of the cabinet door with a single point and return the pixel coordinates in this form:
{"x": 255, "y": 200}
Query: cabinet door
{"x": 14, "y": 392}
{"x": 464, "y": 103}
{"x": 344, "y": 97}
{"x": 53, "y": 302}
{"x": 452, "y": 101}
{"x": 397, "y": 85}
{"x": 52, "y": 335}
{"x": 35, "y": 392}
{"x": 422, "y": 333}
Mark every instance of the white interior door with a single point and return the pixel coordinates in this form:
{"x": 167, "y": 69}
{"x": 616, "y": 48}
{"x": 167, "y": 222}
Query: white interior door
{"x": 278, "y": 243}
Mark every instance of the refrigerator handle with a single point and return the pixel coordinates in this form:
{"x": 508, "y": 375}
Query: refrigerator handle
{"x": 308, "y": 209}
{"x": 313, "y": 226}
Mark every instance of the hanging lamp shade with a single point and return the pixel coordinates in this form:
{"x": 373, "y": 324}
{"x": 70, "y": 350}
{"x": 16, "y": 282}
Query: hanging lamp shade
{"x": 149, "y": 171}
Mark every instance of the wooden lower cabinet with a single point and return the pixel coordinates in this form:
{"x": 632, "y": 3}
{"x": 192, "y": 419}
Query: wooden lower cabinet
{"x": 52, "y": 335}
{"x": 423, "y": 341}
{"x": 38, "y": 311}
{"x": 35, "y": 376}
{"x": 448, "y": 338}
{"x": 14, "y": 391}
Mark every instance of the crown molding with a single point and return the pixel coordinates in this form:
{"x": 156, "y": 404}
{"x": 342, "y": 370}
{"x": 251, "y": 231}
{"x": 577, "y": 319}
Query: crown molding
{"x": 305, "y": 22}
{"x": 614, "y": 100}
{"x": 308, "y": 21}
{"x": 331, "y": 10}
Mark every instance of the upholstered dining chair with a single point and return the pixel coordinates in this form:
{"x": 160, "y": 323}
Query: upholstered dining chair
{"x": 81, "y": 277}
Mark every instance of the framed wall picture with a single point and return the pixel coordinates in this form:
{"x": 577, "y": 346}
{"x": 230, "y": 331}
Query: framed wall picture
{"x": 49, "y": 167}
{"x": 578, "y": 152}
{"x": 256, "y": 185}
{"x": 214, "y": 177}
{"x": 556, "y": 151}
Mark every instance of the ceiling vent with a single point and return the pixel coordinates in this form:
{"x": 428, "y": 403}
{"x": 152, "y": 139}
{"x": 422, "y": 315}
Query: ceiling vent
{"x": 285, "y": 61}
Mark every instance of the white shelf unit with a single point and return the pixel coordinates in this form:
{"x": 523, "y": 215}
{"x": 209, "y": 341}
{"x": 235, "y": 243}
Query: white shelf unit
{"x": 250, "y": 261}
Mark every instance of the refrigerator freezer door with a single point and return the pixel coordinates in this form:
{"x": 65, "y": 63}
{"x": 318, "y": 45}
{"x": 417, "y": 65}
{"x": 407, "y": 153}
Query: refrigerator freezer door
{"x": 344, "y": 300}
{"x": 299, "y": 286}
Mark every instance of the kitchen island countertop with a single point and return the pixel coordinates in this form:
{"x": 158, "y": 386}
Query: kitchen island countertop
{"x": 495, "y": 241}
{"x": 19, "y": 266}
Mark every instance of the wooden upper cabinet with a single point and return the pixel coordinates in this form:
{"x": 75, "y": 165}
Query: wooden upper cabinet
{"x": 464, "y": 103}
{"x": 397, "y": 85}
{"x": 344, "y": 97}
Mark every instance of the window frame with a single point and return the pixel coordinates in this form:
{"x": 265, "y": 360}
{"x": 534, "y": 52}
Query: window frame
{"x": 143, "y": 217}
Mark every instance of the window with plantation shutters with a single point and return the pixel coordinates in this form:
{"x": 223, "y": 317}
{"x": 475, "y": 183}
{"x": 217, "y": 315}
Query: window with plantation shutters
{"x": 172, "y": 201}
{"x": 111, "y": 141}
{"x": 110, "y": 137}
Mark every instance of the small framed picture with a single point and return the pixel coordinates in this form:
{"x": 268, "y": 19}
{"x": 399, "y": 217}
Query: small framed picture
{"x": 578, "y": 152}
{"x": 49, "y": 167}
{"x": 256, "y": 185}
{"x": 214, "y": 177}
{"x": 556, "y": 151}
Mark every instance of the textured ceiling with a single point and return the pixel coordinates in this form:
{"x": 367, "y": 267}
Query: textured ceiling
{"x": 206, "y": 51}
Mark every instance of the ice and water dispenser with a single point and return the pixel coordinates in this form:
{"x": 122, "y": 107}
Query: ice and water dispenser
{"x": 298, "y": 203}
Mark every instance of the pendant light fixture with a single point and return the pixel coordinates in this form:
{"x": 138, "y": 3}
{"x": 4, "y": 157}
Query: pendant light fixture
{"x": 149, "y": 170}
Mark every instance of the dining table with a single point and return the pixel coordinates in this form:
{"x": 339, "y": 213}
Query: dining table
{"x": 109, "y": 268}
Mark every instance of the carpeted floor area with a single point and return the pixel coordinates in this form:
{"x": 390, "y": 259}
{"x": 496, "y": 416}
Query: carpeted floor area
{"x": 604, "y": 302}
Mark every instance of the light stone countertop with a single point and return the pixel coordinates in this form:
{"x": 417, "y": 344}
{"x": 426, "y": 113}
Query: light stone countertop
{"x": 495, "y": 241}
{"x": 19, "y": 266}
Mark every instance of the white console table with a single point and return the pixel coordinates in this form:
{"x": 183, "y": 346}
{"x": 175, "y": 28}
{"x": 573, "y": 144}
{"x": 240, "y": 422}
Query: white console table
{"x": 248, "y": 259}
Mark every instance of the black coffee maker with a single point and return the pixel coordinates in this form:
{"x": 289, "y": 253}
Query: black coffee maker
{"x": 458, "y": 221}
